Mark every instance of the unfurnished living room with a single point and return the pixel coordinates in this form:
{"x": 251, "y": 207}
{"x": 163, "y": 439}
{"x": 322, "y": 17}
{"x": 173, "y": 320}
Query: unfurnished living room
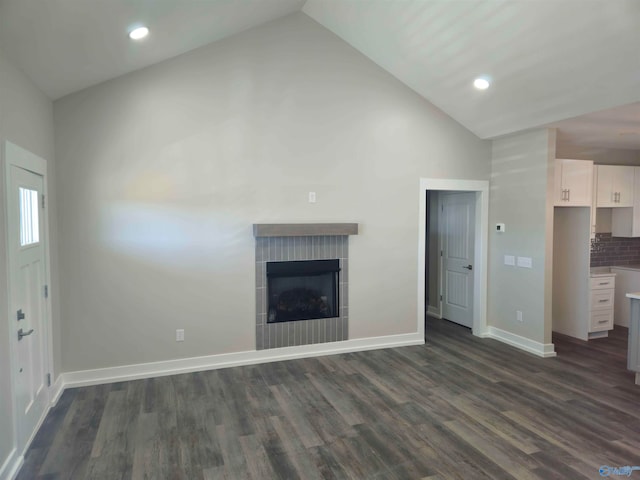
{"x": 319, "y": 239}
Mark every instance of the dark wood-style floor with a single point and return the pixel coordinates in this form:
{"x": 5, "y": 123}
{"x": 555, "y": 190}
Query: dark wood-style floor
{"x": 458, "y": 407}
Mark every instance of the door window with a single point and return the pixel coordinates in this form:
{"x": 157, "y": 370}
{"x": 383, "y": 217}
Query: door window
{"x": 29, "y": 223}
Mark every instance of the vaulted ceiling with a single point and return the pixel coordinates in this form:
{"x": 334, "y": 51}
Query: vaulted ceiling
{"x": 549, "y": 60}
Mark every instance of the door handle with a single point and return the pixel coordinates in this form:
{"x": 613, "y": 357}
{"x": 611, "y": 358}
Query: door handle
{"x": 24, "y": 334}
{"x": 20, "y": 315}
{"x": 469, "y": 267}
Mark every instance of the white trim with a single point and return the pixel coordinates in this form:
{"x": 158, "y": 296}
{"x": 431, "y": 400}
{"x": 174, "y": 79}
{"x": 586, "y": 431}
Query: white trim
{"x": 481, "y": 187}
{"x": 11, "y": 466}
{"x": 225, "y": 360}
{"x": 540, "y": 349}
{"x": 434, "y": 311}
{"x": 56, "y": 390}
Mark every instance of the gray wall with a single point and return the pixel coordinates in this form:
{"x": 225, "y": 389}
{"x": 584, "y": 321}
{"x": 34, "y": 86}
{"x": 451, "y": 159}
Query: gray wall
{"x": 522, "y": 197}
{"x": 162, "y": 172}
{"x": 26, "y": 119}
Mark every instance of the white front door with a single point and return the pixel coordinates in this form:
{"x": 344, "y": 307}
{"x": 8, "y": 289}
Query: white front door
{"x": 28, "y": 314}
{"x": 457, "y": 246}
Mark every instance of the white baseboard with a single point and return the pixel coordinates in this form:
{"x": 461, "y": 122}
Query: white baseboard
{"x": 434, "y": 311}
{"x": 56, "y": 391}
{"x": 540, "y": 349}
{"x": 11, "y": 466}
{"x": 212, "y": 362}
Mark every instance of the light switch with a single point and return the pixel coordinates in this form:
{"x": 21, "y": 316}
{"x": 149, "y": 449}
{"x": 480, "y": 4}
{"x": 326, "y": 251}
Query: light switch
{"x": 312, "y": 197}
{"x": 510, "y": 260}
{"x": 525, "y": 262}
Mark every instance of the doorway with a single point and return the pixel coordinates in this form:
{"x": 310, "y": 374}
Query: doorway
{"x": 29, "y": 316}
{"x": 467, "y": 280}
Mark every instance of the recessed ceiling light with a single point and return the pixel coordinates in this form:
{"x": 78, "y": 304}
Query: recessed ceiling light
{"x": 138, "y": 33}
{"x": 481, "y": 83}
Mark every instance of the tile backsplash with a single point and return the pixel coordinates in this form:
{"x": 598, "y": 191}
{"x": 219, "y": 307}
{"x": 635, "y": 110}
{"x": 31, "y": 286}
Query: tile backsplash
{"x": 607, "y": 250}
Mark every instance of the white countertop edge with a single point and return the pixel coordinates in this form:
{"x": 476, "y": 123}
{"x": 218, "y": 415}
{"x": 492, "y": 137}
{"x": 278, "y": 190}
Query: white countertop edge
{"x": 634, "y": 295}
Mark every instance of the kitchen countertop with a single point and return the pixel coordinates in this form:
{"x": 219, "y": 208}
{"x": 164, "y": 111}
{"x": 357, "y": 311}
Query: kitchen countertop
{"x": 606, "y": 271}
{"x": 627, "y": 267}
{"x": 634, "y": 295}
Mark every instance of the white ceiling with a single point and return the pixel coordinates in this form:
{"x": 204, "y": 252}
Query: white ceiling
{"x": 67, "y": 45}
{"x": 550, "y": 60}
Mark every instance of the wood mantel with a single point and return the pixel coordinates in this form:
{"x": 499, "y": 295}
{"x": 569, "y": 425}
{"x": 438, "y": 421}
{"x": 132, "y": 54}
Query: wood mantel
{"x": 303, "y": 229}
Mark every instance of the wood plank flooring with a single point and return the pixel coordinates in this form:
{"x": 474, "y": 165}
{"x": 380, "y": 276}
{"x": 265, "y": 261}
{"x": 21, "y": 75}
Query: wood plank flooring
{"x": 458, "y": 407}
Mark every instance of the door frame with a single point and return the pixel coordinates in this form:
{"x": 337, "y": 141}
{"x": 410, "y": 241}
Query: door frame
{"x": 481, "y": 249}
{"x": 13, "y": 155}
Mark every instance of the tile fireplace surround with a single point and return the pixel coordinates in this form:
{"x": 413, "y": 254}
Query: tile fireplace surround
{"x": 307, "y": 241}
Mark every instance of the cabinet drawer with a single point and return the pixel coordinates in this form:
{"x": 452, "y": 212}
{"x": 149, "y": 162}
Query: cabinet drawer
{"x": 601, "y": 299}
{"x": 601, "y": 320}
{"x": 598, "y": 283}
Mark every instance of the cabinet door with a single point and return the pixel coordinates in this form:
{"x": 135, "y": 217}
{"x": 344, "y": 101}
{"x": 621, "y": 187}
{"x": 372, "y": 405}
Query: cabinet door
{"x": 605, "y": 194}
{"x": 625, "y": 222}
{"x": 614, "y": 186}
{"x": 623, "y": 186}
{"x": 573, "y": 183}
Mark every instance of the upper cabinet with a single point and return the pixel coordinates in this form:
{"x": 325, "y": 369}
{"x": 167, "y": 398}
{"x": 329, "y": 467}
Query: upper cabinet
{"x": 573, "y": 183}
{"x": 614, "y": 186}
{"x": 625, "y": 222}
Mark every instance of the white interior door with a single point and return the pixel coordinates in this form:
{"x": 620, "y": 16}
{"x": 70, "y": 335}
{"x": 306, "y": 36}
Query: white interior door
{"x": 457, "y": 247}
{"x": 27, "y": 299}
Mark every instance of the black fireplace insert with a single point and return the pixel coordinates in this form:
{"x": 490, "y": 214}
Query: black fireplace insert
{"x": 302, "y": 290}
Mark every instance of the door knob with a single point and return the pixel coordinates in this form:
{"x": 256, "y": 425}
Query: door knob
{"x": 24, "y": 334}
{"x": 20, "y": 315}
{"x": 469, "y": 267}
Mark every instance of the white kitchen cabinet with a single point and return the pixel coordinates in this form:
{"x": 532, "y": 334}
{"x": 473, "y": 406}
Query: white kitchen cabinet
{"x": 615, "y": 185}
{"x": 625, "y": 222}
{"x": 582, "y": 301}
{"x": 601, "y": 303}
{"x": 571, "y": 299}
{"x": 573, "y": 186}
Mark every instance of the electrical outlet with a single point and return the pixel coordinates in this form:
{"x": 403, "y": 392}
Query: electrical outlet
{"x": 312, "y": 197}
{"x": 180, "y": 335}
{"x": 519, "y": 315}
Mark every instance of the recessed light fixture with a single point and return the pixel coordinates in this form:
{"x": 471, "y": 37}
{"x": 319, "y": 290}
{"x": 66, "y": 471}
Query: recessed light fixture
{"x": 138, "y": 33}
{"x": 481, "y": 83}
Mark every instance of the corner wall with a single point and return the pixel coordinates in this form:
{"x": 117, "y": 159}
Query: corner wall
{"x": 522, "y": 198}
{"x": 26, "y": 119}
{"x": 162, "y": 173}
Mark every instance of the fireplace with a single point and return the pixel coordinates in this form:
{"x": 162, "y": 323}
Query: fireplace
{"x": 302, "y": 290}
{"x": 304, "y": 268}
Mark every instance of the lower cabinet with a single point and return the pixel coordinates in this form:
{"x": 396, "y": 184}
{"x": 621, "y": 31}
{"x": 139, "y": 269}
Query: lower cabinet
{"x": 601, "y": 303}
